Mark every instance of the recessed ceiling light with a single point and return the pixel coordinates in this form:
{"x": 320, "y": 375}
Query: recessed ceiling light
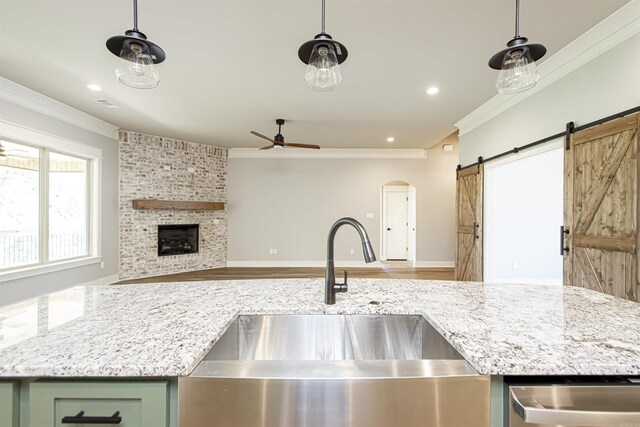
{"x": 432, "y": 90}
{"x": 391, "y": 139}
{"x": 94, "y": 87}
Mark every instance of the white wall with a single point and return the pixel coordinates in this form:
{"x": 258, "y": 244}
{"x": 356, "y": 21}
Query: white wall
{"x": 522, "y": 216}
{"x": 15, "y": 290}
{"x": 289, "y": 205}
{"x": 606, "y": 85}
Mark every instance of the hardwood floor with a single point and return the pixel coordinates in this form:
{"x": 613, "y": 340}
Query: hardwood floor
{"x": 388, "y": 270}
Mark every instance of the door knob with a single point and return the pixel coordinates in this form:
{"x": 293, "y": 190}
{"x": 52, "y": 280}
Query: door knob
{"x": 388, "y": 229}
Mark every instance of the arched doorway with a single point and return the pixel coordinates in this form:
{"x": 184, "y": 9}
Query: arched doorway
{"x": 398, "y": 221}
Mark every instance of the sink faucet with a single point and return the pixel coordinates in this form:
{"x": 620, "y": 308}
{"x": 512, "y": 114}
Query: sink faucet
{"x": 330, "y": 285}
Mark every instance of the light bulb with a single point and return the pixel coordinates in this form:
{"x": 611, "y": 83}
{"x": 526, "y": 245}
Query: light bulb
{"x": 137, "y": 68}
{"x": 518, "y": 72}
{"x": 323, "y": 72}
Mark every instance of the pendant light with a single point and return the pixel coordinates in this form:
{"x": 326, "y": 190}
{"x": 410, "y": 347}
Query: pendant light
{"x": 138, "y": 56}
{"x": 518, "y": 71}
{"x": 323, "y": 57}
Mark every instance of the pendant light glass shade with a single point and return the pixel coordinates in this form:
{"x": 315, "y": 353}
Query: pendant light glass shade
{"x": 323, "y": 71}
{"x": 137, "y": 69}
{"x": 518, "y": 72}
{"x": 323, "y": 56}
{"x": 138, "y": 56}
{"x": 517, "y": 63}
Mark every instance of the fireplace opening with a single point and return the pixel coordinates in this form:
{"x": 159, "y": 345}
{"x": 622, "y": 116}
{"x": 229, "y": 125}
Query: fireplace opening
{"x": 178, "y": 239}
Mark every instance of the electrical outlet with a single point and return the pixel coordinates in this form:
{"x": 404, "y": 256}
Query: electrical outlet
{"x": 216, "y": 221}
{"x": 353, "y": 251}
{"x": 514, "y": 265}
{"x": 275, "y": 251}
{"x": 102, "y": 264}
{"x": 270, "y": 251}
{"x": 167, "y": 168}
{"x": 369, "y": 215}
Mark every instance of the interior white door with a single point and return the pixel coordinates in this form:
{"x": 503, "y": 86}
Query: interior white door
{"x": 397, "y": 208}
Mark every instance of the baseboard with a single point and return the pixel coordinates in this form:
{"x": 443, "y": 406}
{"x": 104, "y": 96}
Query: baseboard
{"x": 434, "y": 264}
{"x": 102, "y": 281}
{"x": 340, "y": 264}
{"x": 350, "y": 264}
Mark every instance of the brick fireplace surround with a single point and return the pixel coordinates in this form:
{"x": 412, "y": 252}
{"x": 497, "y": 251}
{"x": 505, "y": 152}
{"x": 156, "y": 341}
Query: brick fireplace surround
{"x": 153, "y": 167}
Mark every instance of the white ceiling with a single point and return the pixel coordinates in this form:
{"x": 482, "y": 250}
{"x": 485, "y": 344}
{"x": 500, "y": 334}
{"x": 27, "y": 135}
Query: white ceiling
{"x": 232, "y": 66}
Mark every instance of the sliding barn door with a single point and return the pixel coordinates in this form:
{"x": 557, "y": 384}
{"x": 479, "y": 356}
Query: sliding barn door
{"x": 601, "y": 209}
{"x": 469, "y": 224}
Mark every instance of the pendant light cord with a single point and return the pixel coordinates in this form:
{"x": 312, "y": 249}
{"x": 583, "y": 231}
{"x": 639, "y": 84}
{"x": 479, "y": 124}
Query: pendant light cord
{"x": 323, "y": 15}
{"x": 135, "y": 15}
{"x": 517, "y": 18}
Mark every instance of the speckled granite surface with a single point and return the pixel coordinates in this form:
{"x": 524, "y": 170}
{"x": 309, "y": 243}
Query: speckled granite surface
{"x": 165, "y": 329}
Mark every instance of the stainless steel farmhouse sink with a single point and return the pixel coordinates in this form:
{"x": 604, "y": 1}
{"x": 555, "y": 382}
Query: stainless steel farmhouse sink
{"x": 333, "y": 370}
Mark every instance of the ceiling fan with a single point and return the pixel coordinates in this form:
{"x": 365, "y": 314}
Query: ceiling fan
{"x": 278, "y": 140}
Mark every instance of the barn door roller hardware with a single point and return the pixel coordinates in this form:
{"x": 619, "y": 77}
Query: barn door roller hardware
{"x": 567, "y": 135}
{"x": 570, "y": 128}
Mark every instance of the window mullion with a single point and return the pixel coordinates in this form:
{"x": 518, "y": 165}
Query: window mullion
{"x": 44, "y": 206}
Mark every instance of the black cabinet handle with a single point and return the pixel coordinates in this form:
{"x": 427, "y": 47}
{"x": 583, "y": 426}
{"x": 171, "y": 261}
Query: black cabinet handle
{"x": 80, "y": 418}
{"x": 563, "y": 248}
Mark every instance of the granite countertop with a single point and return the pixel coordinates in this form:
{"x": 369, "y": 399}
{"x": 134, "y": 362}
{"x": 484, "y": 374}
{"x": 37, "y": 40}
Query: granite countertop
{"x": 164, "y": 329}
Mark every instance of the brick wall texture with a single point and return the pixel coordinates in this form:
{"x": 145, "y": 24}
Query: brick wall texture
{"x": 153, "y": 167}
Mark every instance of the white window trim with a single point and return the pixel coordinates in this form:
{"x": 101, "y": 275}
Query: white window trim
{"x": 18, "y": 133}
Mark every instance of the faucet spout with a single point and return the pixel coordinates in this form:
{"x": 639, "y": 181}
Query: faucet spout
{"x": 330, "y": 285}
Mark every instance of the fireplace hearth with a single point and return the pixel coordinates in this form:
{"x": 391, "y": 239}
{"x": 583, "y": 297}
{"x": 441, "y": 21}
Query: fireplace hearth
{"x": 178, "y": 239}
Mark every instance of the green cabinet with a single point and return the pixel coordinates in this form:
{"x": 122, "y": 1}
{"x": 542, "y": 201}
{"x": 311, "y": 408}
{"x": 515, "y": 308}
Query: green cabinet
{"x": 140, "y": 404}
{"x": 9, "y": 404}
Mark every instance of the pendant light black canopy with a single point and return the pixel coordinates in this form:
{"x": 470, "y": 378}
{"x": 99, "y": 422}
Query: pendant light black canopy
{"x": 516, "y": 63}
{"x": 139, "y": 55}
{"x": 323, "y": 56}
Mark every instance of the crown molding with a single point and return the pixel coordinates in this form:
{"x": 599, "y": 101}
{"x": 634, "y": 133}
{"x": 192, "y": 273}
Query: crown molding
{"x": 613, "y": 30}
{"x": 25, "y": 97}
{"x": 329, "y": 153}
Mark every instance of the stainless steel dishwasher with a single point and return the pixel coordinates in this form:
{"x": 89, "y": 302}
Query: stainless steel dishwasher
{"x": 574, "y": 402}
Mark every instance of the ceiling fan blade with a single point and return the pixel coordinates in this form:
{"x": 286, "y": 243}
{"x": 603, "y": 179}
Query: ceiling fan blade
{"x": 315, "y": 147}
{"x": 259, "y": 135}
{"x": 269, "y": 147}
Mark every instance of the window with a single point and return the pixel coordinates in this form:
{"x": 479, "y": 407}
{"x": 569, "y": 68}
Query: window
{"x": 45, "y": 205}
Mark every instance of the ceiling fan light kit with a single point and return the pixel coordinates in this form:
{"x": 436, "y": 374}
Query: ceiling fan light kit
{"x": 323, "y": 56}
{"x": 138, "y": 56}
{"x": 518, "y": 71}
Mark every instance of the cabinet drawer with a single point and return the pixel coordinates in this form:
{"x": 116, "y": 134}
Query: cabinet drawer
{"x": 140, "y": 404}
{"x": 9, "y": 404}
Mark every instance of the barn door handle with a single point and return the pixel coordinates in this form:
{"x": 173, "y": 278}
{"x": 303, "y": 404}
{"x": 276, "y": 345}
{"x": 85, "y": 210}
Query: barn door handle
{"x": 475, "y": 230}
{"x": 563, "y": 232}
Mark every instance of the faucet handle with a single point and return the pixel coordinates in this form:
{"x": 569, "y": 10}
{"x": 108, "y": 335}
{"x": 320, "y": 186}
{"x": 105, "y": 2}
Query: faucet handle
{"x": 341, "y": 287}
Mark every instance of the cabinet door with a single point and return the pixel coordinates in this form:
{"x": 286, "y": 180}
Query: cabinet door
{"x": 9, "y": 404}
{"x": 139, "y": 404}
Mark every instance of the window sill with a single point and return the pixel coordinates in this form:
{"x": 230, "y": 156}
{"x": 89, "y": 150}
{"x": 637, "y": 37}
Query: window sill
{"x": 20, "y": 273}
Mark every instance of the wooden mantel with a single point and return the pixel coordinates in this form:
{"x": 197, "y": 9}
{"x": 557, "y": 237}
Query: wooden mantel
{"x": 177, "y": 205}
